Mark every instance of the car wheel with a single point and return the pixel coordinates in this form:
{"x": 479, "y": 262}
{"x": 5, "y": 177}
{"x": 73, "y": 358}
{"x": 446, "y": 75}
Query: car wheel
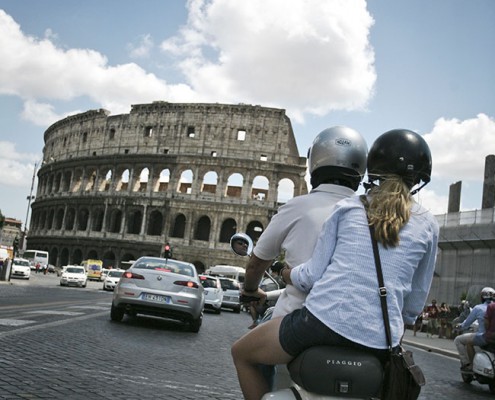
{"x": 237, "y": 310}
{"x": 218, "y": 311}
{"x": 116, "y": 313}
{"x": 195, "y": 324}
{"x": 84, "y": 285}
{"x": 467, "y": 378}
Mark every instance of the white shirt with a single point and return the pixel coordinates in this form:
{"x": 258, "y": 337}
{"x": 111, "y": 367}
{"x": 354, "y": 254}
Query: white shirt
{"x": 341, "y": 276}
{"x": 295, "y": 228}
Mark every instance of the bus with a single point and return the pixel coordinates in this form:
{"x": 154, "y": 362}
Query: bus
{"x": 93, "y": 269}
{"x": 36, "y": 256}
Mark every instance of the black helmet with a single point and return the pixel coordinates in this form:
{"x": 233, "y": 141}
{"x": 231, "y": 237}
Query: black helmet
{"x": 400, "y": 152}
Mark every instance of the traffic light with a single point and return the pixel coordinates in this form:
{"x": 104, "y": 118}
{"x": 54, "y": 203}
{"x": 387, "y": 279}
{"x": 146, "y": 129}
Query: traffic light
{"x": 167, "y": 251}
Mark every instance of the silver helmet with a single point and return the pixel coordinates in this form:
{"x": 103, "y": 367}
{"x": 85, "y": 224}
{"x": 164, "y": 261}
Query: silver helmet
{"x": 342, "y": 150}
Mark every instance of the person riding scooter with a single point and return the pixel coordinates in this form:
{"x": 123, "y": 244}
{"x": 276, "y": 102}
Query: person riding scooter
{"x": 341, "y": 271}
{"x": 465, "y": 343}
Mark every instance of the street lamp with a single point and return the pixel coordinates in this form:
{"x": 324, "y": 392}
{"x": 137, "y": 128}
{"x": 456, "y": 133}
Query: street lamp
{"x": 28, "y": 198}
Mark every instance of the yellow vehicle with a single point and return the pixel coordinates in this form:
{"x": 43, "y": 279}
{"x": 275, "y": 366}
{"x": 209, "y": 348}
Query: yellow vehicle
{"x": 93, "y": 269}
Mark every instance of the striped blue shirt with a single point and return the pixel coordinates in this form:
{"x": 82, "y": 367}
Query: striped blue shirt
{"x": 341, "y": 276}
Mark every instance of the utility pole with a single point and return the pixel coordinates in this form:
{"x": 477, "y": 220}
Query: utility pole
{"x": 29, "y": 198}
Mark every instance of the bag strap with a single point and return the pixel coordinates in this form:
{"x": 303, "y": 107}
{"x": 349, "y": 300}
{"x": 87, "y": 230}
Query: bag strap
{"x": 382, "y": 290}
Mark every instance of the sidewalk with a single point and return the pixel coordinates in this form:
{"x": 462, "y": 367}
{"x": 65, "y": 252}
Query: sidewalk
{"x": 433, "y": 344}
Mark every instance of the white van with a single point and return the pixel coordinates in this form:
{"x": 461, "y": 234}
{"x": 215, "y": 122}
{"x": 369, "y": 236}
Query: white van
{"x": 228, "y": 271}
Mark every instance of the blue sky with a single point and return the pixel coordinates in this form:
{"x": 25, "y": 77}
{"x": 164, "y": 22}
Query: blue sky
{"x": 374, "y": 66}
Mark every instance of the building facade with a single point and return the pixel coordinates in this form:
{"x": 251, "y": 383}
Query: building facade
{"x": 119, "y": 187}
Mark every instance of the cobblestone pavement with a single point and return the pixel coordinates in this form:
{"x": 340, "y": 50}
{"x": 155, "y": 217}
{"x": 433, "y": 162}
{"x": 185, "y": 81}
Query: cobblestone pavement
{"x": 71, "y": 350}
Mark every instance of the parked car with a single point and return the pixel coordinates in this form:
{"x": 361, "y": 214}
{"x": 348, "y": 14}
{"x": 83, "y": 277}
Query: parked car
{"x": 21, "y": 268}
{"x": 51, "y": 268}
{"x": 213, "y": 293}
{"x": 74, "y": 275}
{"x": 112, "y": 277}
{"x": 160, "y": 287}
{"x": 104, "y": 272}
{"x": 231, "y": 294}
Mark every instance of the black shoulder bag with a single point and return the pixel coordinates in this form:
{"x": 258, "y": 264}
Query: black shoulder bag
{"x": 403, "y": 378}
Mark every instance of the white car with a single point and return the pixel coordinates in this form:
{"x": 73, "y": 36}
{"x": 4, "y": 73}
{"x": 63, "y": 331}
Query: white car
{"x": 213, "y": 292}
{"x": 74, "y": 275}
{"x": 21, "y": 268}
{"x": 112, "y": 278}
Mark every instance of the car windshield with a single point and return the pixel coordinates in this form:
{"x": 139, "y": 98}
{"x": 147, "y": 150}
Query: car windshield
{"x": 163, "y": 265}
{"x": 228, "y": 284}
{"x": 115, "y": 274}
{"x": 75, "y": 270}
{"x": 21, "y": 262}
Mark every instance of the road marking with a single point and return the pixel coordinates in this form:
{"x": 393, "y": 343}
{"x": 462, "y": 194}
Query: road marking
{"x": 51, "y": 324}
{"x": 91, "y": 307}
{"x": 15, "y": 322}
{"x": 54, "y": 312}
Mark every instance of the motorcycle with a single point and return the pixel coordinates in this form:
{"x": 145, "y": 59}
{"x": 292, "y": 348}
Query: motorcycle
{"x": 483, "y": 367}
{"x": 322, "y": 372}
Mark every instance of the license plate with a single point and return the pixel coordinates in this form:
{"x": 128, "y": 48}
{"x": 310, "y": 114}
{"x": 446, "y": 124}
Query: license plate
{"x": 156, "y": 298}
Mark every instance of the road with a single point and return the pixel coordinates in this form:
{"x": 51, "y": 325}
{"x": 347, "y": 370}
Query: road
{"x": 59, "y": 343}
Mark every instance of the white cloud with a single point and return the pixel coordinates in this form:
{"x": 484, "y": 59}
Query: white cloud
{"x": 42, "y": 70}
{"x": 16, "y": 169}
{"x": 435, "y": 203}
{"x": 306, "y": 59}
{"x": 459, "y": 148}
{"x": 42, "y": 114}
{"x": 143, "y": 48}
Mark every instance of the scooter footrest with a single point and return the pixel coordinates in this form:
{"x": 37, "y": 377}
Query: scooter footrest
{"x": 337, "y": 371}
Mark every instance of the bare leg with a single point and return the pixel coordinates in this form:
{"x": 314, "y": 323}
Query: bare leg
{"x": 259, "y": 346}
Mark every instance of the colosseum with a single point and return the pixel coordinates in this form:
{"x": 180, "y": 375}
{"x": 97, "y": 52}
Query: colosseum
{"x": 119, "y": 187}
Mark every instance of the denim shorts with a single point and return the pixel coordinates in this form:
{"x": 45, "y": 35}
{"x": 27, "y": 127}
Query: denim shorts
{"x": 300, "y": 330}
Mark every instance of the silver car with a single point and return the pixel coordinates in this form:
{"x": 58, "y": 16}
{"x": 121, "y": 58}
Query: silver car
{"x": 160, "y": 287}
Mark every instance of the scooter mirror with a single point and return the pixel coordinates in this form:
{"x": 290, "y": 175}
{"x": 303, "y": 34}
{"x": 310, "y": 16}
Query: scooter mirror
{"x": 241, "y": 244}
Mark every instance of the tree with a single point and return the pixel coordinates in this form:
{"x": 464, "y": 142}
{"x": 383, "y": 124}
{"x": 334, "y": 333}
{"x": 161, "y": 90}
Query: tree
{"x": 2, "y": 220}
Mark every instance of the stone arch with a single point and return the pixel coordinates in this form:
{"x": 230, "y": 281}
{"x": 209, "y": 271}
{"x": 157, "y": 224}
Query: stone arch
{"x": 97, "y": 220}
{"x": 141, "y": 184}
{"x": 77, "y": 257}
{"x": 285, "y": 190}
{"x": 185, "y": 182}
{"x": 210, "y": 182}
{"x": 82, "y": 219}
{"x": 53, "y": 257}
{"x": 203, "y": 227}
{"x": 128, "y": 257}
{"x": 179, "y": 226}
{"x": 200, "y": 266}
{"x": 260, "y": 187}
{"x": 123, "y": 182}
{"x": 59, "y": 219}
{"x": 51, "y": 219}
{"x": 134, "y": 221}
{"x": 155, "y": 223}
{"x": 78, "y": 177}
{"x": 70, "y": 219}
{"x": 106, "y": 183}
{"x": 114, "y": 221}
{"x": 91, "y": 181}
{"x": 163, "y": 181}
{"x": 235, "y": 182}
{"x": 92, "y": 255}
{"x": 66, "y": 181}
{"x": 109, "y": 259}
{"x": 64, "y": 256}
{"x": 57, "y": 182}
{"x": 254, "y": 230}
{"x": 229, "y": 228}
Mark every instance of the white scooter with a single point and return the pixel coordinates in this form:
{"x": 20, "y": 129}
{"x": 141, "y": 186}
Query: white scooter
{"x": 324, "y": 372}
{"x": 483, "y": 367}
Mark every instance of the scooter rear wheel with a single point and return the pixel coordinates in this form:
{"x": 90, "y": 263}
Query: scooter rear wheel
{"x": 491, "y": 385}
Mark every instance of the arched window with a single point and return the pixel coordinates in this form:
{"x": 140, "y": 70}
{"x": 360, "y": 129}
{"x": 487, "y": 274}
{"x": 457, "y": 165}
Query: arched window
{"x": 155, "y": 223}
{"x": 134, "y": 220}
{"x": 179, "y": 226}
{"x": 228, "y": 229}
{"x": 203, "y": 229}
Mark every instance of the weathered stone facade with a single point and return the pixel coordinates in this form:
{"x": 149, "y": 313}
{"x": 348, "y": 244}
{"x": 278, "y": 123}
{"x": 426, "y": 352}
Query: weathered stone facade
{"x": 119, "y": 187}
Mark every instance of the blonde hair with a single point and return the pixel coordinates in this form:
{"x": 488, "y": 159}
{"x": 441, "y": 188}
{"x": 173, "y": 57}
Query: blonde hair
{"x": 389, "y": 209}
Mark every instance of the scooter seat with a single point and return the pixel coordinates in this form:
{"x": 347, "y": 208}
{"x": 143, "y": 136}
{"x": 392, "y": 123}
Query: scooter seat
{"x": 337, "y": 371}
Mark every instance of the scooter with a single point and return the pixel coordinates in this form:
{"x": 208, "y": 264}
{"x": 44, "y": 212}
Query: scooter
{"x": 323, "y": 372}
{"x": 483, "y": 367}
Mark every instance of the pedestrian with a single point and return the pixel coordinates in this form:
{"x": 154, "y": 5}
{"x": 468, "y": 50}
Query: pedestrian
{"x": 443, "y": 315}
{"x": 433, "y": 310}
{"x": 37, "y": 267}
{"x": 341, "y": 271}
{"x": 465, "y": 343}
{"x": 418, "y": 324}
